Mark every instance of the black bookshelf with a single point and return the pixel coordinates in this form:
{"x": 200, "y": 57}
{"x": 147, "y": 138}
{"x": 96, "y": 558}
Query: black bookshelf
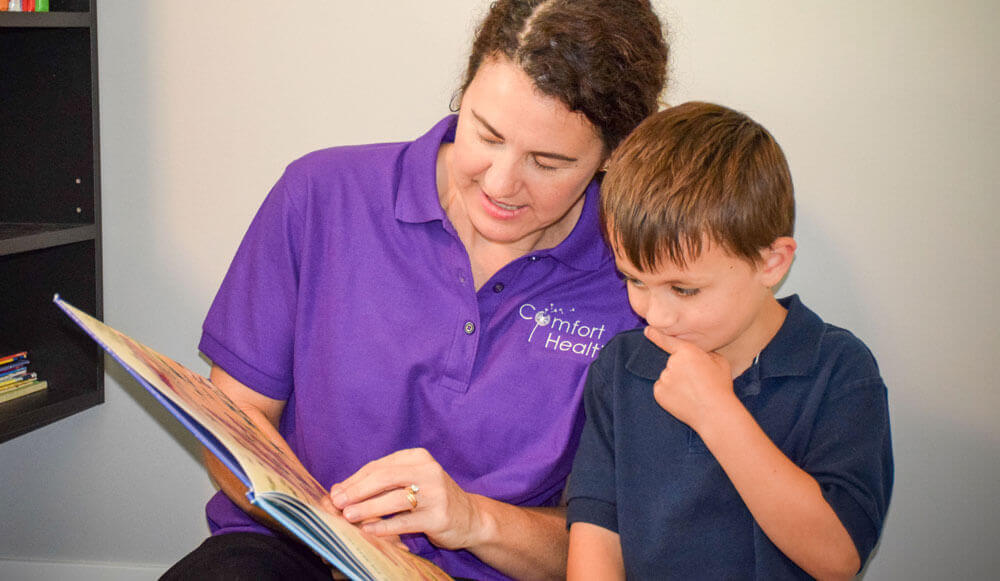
{"x": 50, "y": 218}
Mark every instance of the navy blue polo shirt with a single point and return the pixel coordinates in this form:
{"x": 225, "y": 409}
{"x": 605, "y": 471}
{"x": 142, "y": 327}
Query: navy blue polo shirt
{"x": 816, "y": 392}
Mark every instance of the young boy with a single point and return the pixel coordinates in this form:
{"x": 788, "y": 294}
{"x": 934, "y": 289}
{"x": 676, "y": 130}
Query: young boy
{"x": 737, "y": 436}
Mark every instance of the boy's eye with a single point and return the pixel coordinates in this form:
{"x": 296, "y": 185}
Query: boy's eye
{"x": 685, "y": 292}
{"x": 631, "y": 281}
{"x": 489, "y": 139}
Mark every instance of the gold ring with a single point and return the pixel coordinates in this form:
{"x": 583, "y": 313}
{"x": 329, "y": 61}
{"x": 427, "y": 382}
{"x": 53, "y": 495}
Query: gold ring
{"x": 411, "y": 495}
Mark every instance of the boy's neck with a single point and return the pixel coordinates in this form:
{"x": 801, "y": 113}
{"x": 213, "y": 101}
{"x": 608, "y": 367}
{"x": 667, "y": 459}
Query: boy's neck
{"x": 742, "y": 353}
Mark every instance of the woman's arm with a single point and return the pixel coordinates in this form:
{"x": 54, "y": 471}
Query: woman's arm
{"x": 265, "y": 412}
{"x": 521, "y": 542}
{"x": 594, "y": 553}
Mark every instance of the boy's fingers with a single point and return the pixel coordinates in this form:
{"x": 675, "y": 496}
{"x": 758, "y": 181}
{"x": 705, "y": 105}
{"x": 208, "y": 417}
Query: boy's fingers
{"x": 666, "y": 342}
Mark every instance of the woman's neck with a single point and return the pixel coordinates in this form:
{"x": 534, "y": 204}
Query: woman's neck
{"x": 487, "y": 256}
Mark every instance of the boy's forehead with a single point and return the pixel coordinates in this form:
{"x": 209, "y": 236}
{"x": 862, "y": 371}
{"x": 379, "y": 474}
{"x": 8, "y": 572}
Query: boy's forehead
{"x": 664, "y": 263}
{"x": 711, "y": 256}
{"x": 663, "y": 259}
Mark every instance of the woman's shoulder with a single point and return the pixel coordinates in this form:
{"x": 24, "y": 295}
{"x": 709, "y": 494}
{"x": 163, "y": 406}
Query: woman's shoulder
{"x": 341, "y": 159}
{"x": 371, "y": 160}
{"x": 338, "y": 177}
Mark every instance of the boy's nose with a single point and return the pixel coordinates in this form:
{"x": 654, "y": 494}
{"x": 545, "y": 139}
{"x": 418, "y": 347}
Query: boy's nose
{"x": 660, "y": 315}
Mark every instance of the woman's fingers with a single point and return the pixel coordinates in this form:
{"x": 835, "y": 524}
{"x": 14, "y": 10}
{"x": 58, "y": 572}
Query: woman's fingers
{"x": 391, "y": 502}
{"x": 408, "y": 492}
{"x": 395, "y": 471}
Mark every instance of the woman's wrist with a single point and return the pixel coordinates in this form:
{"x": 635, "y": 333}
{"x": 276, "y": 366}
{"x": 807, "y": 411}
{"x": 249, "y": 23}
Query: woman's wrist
{"x": 483, "y": 526}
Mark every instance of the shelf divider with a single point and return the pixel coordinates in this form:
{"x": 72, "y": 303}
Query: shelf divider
{"x": 20, "y": 237}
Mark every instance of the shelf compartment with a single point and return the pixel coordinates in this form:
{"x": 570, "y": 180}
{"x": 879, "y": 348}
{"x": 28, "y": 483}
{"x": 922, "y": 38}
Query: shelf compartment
{"x": 59, "y": 352}
{"x": 48, "y": 126}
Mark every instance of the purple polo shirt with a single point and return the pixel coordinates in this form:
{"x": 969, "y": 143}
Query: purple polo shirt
{"x": 352, "y": 298}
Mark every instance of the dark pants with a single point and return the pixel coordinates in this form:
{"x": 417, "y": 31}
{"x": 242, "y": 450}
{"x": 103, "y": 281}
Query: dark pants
{"x": 249, "y": 557}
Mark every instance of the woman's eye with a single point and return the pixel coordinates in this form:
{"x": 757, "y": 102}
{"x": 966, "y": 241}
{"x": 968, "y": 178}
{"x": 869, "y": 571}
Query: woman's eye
{"x": 685, "y": 292}
{"x": 541, "y": 165}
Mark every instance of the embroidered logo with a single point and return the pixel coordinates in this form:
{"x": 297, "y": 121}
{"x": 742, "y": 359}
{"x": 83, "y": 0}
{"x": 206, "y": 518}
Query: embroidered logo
{"x": 556, "y": 328}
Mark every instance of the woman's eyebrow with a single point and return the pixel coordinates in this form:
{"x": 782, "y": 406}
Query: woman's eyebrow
{"x": 499, "y": 135}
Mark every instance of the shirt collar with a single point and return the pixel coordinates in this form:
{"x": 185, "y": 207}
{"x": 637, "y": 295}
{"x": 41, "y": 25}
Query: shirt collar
{"x": 794, "y": 351}
{"x": 416, "y": 194}
{"x": 795, "y": 348}
{"x": 417, "y": 201}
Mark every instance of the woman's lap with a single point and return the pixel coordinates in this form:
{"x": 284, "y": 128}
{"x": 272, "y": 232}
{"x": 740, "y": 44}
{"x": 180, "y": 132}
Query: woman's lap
{"x": 249, "y": 556}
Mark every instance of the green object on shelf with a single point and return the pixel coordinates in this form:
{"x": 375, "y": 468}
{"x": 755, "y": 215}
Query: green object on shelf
{"x": 41, "y": 5}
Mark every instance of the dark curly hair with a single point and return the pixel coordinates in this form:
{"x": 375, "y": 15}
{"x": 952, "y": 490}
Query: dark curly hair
{"x": 604, "y": 58}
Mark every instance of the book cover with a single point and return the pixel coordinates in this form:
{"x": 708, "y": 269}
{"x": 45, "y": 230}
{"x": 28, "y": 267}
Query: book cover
{"x": 22, "y": 389}
{"x": 13, "y": 366}
{"x": 5, "y": 359}
{"x": 277, "y": 481}
{"x": 17, "y": 381}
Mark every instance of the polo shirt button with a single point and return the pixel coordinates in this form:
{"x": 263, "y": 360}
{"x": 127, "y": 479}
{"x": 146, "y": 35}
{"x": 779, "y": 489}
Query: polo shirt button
{"x": 532, "y": 258}
{"x": 498, "y": 287}
{"x": 470, "y": 327}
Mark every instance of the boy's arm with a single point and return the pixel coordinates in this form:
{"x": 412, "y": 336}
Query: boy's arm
{"x": 786, "y": 502}
{"x": 594, "y": 553}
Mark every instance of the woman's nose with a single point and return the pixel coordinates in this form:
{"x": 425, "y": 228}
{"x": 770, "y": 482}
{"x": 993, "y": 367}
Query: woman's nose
{"x": 502, "y": 178}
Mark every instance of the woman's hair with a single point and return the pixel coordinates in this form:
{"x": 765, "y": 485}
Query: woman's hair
{"x": 606, "y": 59}
{"x": 692, "y": 174}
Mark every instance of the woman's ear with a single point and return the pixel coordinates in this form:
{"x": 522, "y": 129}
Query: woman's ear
{"x": 776, "y": 260}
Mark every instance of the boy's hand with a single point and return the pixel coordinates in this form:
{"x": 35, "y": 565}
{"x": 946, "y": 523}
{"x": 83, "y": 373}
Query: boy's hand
{"x": 694, "y": 384}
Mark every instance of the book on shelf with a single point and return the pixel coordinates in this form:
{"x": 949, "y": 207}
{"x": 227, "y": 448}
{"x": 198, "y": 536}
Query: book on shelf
{"x": 15, "y": 378}
{"x": 22, "y": 389}
{"x": 276, "y": 480}
{"x": 24, "y": 5}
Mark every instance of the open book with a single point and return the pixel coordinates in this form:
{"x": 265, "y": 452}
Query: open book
{"x": 277, "y": 481}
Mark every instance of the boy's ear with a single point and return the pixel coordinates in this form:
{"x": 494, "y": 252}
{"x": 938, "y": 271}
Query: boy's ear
{"x": 776, "y": 260}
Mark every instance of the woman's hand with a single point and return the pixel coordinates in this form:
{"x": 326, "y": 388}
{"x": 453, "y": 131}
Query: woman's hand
{"x": 415, "y": 494}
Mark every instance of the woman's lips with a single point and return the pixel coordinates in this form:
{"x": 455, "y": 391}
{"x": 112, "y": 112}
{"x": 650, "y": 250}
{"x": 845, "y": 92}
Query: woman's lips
{"x": 499, "y": 209}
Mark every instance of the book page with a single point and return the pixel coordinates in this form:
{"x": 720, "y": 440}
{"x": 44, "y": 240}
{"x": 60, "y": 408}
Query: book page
{"x": 269, "y": 468}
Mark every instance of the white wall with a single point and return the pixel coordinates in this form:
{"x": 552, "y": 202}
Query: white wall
{"x": 886, "y": 111}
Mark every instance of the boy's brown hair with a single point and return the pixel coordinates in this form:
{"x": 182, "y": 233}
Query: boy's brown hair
{"x": 691, "y": 174}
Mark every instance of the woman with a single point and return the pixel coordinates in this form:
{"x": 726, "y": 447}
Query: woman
{"x": 416, "y": 319}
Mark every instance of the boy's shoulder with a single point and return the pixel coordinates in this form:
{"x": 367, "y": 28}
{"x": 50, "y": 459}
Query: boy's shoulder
{"x": 808, "y": 345}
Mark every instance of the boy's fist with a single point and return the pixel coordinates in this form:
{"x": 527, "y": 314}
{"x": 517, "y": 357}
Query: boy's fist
{"x": 694, "y": 383}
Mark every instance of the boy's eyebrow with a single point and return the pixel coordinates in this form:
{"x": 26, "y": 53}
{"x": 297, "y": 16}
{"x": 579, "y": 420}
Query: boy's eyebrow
{"x": 496, "y": 133}
{"x": 673, "y": 281}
